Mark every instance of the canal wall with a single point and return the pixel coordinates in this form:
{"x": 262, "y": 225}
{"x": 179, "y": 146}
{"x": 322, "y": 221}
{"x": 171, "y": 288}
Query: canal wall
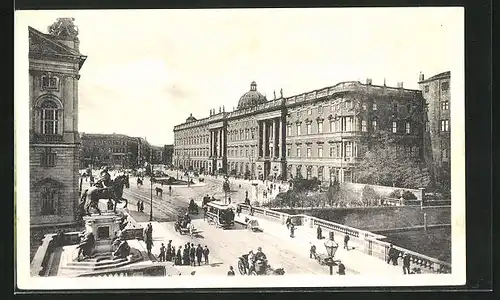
{"x": 378, "y": 218}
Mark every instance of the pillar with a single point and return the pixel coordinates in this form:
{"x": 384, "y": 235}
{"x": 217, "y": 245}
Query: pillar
{"x": 210, "y": 144}
{"x": 264, "y": 138}
{"x": 280, "y": 138}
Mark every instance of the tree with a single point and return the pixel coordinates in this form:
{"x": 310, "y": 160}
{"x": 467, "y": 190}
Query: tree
{"x": 385, "y": 164}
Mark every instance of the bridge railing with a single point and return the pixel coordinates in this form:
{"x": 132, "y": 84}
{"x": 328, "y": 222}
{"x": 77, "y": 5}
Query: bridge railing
{"x": 371, "y": 243}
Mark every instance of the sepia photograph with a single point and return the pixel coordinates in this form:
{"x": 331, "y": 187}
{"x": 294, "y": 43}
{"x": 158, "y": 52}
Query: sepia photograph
{"x": 229, "y": 148}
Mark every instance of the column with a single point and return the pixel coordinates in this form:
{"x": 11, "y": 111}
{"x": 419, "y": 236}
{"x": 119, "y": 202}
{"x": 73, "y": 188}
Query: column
{"x": 280, "y": 138}
{"x": 210, "y": 144}
{"x": 263, "y": 138}
{"x": 223, "y": 142}
{"x": 267, "y": 136}
{"x": 220, "y": 143}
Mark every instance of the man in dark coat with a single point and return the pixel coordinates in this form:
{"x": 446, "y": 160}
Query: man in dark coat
{"x": 185, "y": 257}
{"x": 393, "y": 256}
{"x": 199, "y": 254}
{"x": 346, "y": 241}
{"x": 319, "y": 233}
{"x": 205, "y": 254}
{"x": 162, "y": 255}
{"x": 192, "y": 255}
{"x": 341, "y": 270}
{"x": 406, "y": 263}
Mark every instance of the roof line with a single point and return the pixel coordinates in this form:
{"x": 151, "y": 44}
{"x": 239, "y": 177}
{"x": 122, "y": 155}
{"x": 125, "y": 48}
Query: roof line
{"x": 44, "y": 36}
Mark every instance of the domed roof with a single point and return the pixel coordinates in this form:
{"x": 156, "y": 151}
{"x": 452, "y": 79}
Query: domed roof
{"x": 251, "y": 98}
{"x": 190, "y": 118}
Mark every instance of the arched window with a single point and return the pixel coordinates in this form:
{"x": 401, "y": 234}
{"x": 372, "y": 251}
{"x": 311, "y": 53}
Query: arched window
{"x": 49, "y": 117}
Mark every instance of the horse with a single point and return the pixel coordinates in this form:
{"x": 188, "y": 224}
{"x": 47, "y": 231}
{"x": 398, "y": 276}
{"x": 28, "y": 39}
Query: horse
{"x": 159, "y": 191}
{"x": 114, "y": 192}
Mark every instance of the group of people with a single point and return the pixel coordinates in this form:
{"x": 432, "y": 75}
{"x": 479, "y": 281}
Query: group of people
{"x": 190, "y": 255}
{"x": 393, "y": 256}
{"x": 140, "y": 206}
{"x": 252, "y": 258}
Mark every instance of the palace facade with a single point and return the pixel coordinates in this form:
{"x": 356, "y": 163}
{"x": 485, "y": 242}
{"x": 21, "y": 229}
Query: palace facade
{"x": 320, "y": 133}
{"x": 54, "y": 65}
{"x": 436, "y": 91}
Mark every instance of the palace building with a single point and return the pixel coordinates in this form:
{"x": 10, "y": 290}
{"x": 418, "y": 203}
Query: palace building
{"x": 436, "y": 91}
{"x": 54, "y": 65}
{"x": 320, "y": 133}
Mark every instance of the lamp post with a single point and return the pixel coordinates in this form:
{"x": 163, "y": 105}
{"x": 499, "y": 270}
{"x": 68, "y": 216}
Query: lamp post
{"x": 151, "y": 184}
{"x": 331, "y": 248}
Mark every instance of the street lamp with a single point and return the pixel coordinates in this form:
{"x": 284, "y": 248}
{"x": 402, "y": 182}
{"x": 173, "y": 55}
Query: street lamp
{"x": 331, "y": 248}
{"x": 151, "y": 184}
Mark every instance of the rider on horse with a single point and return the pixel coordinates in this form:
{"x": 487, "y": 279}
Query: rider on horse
{"x": 105, "y": 180}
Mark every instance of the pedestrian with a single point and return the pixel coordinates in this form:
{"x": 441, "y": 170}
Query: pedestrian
{"x": 346, "y": 241}
{"x": 341, "y": 270}
{"x": 406, "y": 264}
{"x": 292, "y": 230}
{"x": 192, "y": 255}
{"x": 149, "y": 245}
{"x": 142, "y": 206}
{"x": 392, "y": 256}
{"x": 229, "y": 200}
{"x": 139, "y": 205}
{"x": 205, "y": 254}
{"x": 231, "y": 271}
{"x": 185, "y": 257}
{"x": 319, "y": 233}
{"x": 178, "y": 257}
{"x": 161, "y": 257}
{"x": 312, "y": 252}
{"x": 199, "y": 254}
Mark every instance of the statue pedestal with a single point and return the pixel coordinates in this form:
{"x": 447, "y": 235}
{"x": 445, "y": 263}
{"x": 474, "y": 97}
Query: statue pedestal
{"x": 104, "y": 227}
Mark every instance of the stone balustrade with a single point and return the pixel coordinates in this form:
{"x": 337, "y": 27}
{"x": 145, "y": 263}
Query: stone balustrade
{"x": 370, "y": 242}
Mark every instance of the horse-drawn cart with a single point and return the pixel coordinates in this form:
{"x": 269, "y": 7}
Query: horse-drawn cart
{"x": 187, "y": 229}
{"x": 260, "y": 267}
{"x": 252, "y": 224}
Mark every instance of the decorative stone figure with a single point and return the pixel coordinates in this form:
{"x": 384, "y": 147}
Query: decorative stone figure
{"x": 64, "y": 28}
{"x": 281, "y": 92}
{"x": 86, "y": 246}
{"x": 274, "y": 92}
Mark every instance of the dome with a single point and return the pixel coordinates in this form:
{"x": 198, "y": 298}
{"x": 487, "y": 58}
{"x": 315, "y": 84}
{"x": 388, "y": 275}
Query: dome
{"x": 190, "y": 118}
{"x": 251, "y": 98}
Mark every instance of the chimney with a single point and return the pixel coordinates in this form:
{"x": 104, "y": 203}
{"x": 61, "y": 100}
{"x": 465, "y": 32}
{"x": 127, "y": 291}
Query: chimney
{"x": 421, "y": 77}
{"x": 368, "y": 81}
{"x": 400, "y": 85}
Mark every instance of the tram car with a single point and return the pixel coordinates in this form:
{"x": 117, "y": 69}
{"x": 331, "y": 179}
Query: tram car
{"x": 220, "y": 214}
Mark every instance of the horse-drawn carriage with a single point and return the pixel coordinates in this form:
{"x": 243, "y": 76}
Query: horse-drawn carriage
{"x": 252, "y": 224}
{"x": 186, "y": 227}
{"x": 193, "y": 208}
{"x": 260, "y": 267}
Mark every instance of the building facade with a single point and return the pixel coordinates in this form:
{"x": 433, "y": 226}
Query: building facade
{"x": 54, "y": 66}
{"x": 319, "y": 134}
{"x": 436, "y": 91}
{"x": 117, "y": 151}
{"x": 168, "y": 153}
{"x": 114, "y": 150}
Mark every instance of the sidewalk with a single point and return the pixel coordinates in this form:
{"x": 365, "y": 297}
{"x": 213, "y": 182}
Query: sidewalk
{"x": 353, "y": 259}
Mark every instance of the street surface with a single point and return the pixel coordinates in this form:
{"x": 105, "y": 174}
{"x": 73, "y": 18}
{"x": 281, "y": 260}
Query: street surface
{"x": 226, "y": 246}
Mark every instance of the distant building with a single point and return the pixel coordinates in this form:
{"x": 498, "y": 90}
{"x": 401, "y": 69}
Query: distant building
{"x": 436, "y": 91}
{"x": 157, "y": 155}
{"x": 321, "y": 133}
{"x": 168, "y": 152}
{"x": 114, "y": 150}
{"x": 54, "y": 65}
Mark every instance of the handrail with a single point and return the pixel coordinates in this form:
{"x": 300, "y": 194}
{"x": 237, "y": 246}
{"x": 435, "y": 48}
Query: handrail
{"x": 372, "y": 239}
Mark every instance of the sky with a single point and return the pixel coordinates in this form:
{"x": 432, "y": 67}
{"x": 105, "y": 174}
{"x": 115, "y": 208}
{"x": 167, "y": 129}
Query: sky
{"x": 148, "y": 70}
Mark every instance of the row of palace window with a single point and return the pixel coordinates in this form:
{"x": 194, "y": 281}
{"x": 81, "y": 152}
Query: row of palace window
{"x": 109, "y": 142}
{"x": 337, "y": 106}
{"x": 444, "y": 86}
{"x": 343, "y": 125}
{"x": 350, "y": 150}
{"x": 110, "y": 149}
{"x": 241, "y": 152}
{"x": 192, "y": 152}
{"x": 192, "y": 140}
{"x": 242, "y": 134}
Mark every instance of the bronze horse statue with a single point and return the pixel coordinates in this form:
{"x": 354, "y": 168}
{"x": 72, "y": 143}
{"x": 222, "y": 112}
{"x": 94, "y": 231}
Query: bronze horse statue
{"x": 114, "y": 192}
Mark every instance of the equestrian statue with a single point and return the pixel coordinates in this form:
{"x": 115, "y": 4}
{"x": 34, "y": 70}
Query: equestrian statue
{"x": 106, "y": 188}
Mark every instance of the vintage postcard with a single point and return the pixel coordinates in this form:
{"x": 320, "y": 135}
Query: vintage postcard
{"x": 245, "y": 147}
